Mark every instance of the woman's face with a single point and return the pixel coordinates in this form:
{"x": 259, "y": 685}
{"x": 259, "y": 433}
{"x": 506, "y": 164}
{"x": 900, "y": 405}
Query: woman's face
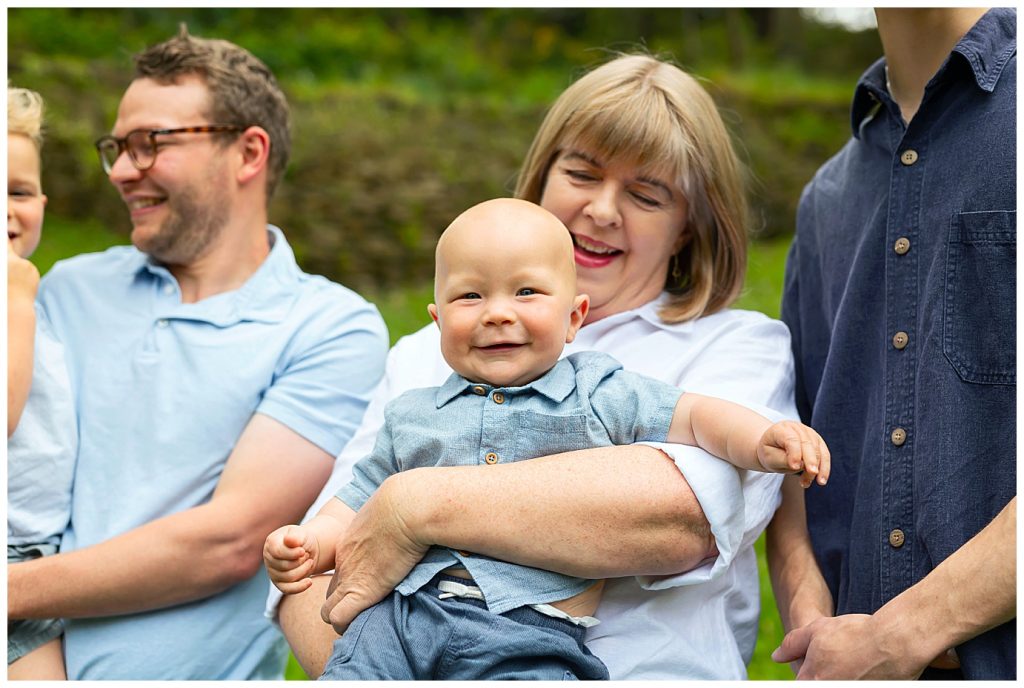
{"x": 625, "y": 226}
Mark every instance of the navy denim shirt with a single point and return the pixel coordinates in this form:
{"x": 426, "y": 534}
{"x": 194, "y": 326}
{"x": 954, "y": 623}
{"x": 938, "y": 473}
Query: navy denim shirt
{"x": 586, "y": 400}
{"x": 900, "y": 295}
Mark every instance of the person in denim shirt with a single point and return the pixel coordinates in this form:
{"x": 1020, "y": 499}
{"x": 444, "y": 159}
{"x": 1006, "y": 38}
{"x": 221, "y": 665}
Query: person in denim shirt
{"x": 900, "y": 294}
{"x": 506, "y": 305}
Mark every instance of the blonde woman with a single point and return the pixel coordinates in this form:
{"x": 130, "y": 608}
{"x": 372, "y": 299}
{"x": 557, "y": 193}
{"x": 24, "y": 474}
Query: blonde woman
{"x": 634, "y": 159}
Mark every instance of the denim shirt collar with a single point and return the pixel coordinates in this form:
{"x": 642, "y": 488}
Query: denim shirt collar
{"x": 986, "y": 49}
{"x": 267, "y": 296}
{"x": 556, "y": 384}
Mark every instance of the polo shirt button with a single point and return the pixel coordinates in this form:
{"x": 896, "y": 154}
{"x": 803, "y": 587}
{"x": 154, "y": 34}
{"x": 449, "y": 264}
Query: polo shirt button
{"x": 162, "y": 322}
{"x": 499, "y": 398}
{"x": 479, "y": 390}
{"x": 909, "y": 157}
{"x": 902, "y": 246}
{"x": 463, "y": 553}
{"x": 897, "y": 538}
{"x": 900, "y": 340}
{"x": 491, "y": 458}
{"x": 899, "y": 436}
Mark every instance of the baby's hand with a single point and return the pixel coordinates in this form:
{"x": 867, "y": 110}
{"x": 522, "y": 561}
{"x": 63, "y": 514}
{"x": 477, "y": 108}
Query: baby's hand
{"x": 791, "y": 447}
{"x": 290, "y": 554}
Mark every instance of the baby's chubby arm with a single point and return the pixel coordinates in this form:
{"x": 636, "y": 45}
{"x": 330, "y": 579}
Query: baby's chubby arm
{"x": 294, "y": 553}
{"x": 749, "y": 440}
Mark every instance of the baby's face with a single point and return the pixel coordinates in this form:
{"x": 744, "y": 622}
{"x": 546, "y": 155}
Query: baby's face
{"x": 506, "y": 294}
{"x": 25, "y": 199}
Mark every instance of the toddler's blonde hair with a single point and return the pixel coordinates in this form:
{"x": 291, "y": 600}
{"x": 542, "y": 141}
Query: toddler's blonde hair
{"x": 25, "y": 114}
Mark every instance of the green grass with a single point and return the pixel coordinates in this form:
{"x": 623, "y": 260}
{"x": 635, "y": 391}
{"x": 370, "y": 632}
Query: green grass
{"x": 405, "y": 312}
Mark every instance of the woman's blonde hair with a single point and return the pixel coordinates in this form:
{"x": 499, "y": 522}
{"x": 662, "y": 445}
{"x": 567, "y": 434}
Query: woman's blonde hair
{"x": 25, "y": 114}
{"x": 648, "y": 113}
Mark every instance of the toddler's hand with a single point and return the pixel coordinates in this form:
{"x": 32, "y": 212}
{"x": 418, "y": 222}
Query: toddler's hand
{"x": 290, "y": 554}
{"x": 791, "y": 447}
{"x": 22, "y": 276}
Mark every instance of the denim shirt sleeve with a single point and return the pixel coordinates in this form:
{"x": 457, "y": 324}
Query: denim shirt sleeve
{"x": 634, "y": 408}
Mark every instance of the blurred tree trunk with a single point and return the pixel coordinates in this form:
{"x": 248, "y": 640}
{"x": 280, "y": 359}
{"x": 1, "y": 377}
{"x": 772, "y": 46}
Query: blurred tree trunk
{"x": 785, "y": 32}
{"x": 736, "y": 37}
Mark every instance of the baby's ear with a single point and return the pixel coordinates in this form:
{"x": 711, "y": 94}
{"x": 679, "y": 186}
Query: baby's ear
{"x": 580, "y": 308}
{"x": 432, "y": 309}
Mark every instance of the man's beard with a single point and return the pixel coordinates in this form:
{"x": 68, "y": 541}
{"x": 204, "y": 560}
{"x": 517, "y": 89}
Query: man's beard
{"x": 191, "y": 226}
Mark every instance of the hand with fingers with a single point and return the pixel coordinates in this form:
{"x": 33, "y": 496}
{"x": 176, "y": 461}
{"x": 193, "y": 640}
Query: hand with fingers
{"x": 291, "y": 554}
{"x": 792, "y": 447}
{"x": 22, "y": 275}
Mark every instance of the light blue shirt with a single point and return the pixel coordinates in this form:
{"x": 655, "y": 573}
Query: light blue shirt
{"x": 41, "y": 452}
{"x": 164, "y": 389}
{"x": 586, "y": 400}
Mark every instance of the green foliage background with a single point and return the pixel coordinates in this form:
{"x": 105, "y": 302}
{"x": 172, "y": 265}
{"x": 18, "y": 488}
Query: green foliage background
{"x": 402, "y": 118}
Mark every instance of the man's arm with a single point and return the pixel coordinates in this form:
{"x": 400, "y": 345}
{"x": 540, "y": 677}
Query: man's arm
{"x": 800, "y": 591}
{"x": 939, "y": 612}
{"x": 270, "y": 479}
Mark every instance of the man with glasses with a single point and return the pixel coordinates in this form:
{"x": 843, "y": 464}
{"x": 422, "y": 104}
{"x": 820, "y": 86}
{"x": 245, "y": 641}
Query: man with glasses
{"x": 215, "y": 383}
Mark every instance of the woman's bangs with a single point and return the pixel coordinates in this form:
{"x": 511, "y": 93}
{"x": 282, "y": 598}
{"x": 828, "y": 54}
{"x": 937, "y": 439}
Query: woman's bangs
{"x": 638, "y": 131}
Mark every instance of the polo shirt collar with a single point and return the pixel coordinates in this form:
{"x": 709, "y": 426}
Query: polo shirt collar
{"x": 986, "y": 48}
{"x": 267, "y": 296}
{"x": 556, "y": 384}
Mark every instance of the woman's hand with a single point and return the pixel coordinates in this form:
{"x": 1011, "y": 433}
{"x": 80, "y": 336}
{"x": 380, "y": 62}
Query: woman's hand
{"x": 376, "y": 553}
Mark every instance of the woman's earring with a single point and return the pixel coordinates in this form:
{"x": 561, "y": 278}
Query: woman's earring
{"x": 676, "y": 272}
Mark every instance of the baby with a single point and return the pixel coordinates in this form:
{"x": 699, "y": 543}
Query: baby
{"x": 42, "y": 439}
{"x": 506, "y": 304}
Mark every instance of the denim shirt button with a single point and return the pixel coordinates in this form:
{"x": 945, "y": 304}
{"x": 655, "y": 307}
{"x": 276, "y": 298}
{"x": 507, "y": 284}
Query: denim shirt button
{"x": 899, "y": 436}
{"x": 479, "y": 390}
{"x": 897, "y": 538}
{"x": 900, "y": 340}
{"x": 902, "y": 246}
{"x": 491, "y": 458}
{"x": 908, "y": 157}
{"x": 498, "y": 397}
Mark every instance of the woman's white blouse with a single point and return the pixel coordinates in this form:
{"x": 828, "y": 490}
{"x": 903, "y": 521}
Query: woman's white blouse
{"x": 701, "y": 624}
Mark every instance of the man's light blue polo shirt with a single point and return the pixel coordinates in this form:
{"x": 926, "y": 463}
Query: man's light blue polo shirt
{"x": 163, "y": 391}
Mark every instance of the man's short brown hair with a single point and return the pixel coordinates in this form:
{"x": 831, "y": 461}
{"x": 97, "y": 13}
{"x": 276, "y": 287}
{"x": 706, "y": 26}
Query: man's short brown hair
{"x": 243, "y": 91}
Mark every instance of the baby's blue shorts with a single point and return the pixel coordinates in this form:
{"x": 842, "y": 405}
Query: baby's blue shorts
{"x": 422, "y": 636}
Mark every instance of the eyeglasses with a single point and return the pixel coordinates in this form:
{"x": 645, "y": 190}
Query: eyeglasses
{"x": 141, "y": 144}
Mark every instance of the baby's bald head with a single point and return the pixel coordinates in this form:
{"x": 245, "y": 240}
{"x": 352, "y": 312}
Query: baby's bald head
{"x": 511, "y": 229}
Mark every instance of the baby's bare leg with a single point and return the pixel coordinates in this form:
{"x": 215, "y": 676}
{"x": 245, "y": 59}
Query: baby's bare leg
{"x": 45, "y": 663}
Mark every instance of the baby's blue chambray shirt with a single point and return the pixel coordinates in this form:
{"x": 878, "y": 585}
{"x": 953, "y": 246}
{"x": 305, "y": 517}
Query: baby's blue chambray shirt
{"x": 586, "y": 400}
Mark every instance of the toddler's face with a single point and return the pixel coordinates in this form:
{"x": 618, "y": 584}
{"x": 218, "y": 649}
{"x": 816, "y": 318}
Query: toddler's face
{"x": 25, "y": 199}
{"x": 506, "y": 294}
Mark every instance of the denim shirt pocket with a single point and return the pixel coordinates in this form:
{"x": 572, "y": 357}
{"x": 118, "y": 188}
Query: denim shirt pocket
{"x": 979, "y": 315}
{"x": 541, "y": 434}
